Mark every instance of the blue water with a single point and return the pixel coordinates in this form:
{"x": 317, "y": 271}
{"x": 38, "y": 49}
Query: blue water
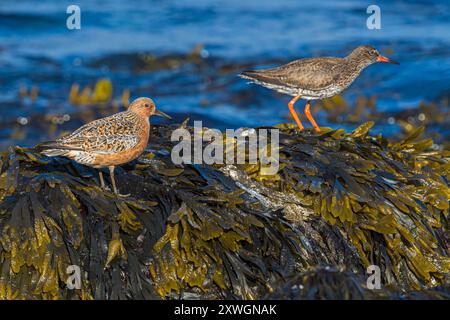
{"x": 36, "y": 49}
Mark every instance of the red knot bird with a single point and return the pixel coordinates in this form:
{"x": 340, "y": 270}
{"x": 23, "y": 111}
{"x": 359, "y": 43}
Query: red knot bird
{"x": 108, "y": 142}
{"x": 316, "y": 78}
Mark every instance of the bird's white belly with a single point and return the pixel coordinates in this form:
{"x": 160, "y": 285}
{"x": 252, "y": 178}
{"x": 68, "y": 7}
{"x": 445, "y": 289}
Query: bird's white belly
{"x": 327, "y": 92}
{"x": 322, "y": 94}
{"x": 86, "y": 158}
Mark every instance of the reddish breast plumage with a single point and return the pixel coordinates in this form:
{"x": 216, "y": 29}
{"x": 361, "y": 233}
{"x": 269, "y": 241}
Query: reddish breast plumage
{"x": 110, "y": 141}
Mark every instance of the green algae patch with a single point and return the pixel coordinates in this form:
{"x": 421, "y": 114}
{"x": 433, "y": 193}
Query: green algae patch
{"x": 347, "y": 200}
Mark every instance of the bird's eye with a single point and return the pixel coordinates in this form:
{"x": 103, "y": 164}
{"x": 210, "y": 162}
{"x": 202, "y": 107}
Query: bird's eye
{"x": 147, "y": 105}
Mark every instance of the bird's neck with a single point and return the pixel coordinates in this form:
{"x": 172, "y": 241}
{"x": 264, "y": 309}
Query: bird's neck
{"x": 141, "y": 112}
{"x": 356, "y": 62}
{"x": 144, "y": 124}
{"x": 141, "y": 118}
{"x": 350, "y": 69}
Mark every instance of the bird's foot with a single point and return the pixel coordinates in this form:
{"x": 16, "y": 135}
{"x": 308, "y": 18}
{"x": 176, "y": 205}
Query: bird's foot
{"x": 108, "y": 189}
{"x": 119, "y": 195}
{"x": 123, "y": 195}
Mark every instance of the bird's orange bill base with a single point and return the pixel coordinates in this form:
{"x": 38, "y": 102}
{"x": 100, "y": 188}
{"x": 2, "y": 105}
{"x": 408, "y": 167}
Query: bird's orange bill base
{"x": 294, "y": 114}
{"x": 310, "y": 117}
{"x": 385, "y": 59}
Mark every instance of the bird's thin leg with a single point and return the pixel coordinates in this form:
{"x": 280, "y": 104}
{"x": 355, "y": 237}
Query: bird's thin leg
{"x": 113, "y": 181}
{"x": 310, "y": 117}
{"x": 294, "y": 114}
{"x": 102, "y": 182}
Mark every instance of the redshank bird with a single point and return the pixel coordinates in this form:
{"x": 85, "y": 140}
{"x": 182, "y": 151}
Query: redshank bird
{"x": 316, "y": 78}
{"x": 110, "y": 141}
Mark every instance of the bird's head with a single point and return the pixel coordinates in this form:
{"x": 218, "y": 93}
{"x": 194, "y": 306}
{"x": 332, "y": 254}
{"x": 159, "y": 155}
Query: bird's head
{"x": 146, "y": 107}
{"x": 368, "y": 55}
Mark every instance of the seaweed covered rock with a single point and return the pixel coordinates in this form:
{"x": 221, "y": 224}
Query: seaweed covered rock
{"x": 331, "y": 283}
{"x": 389, "y": 200}
{"x": 347, "y": 200}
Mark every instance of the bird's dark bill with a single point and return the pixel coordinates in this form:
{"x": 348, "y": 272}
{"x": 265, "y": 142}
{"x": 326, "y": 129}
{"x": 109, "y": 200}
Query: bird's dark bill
{"x": 162, "y": 114}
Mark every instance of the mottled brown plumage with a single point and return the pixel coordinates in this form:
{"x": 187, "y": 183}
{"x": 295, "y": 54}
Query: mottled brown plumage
{"x": 316, "y": 78}
{"x": 110, "y": 141}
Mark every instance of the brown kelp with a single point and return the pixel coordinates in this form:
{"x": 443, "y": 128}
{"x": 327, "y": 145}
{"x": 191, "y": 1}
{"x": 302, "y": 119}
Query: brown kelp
{"x": 388, "y": 199}
{"x": 327, "y": 283}
{"x": 347, "y": 200}
{"x": 331, "y": 283}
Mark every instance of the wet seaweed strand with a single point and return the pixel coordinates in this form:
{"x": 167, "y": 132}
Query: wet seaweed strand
{"x": 347, "y": 199}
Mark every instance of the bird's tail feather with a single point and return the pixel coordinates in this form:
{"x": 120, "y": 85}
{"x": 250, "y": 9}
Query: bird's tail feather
{"x": 257, "y": 77}
{"x": 54, "y": 152}
{"x": 250, "y": 75}
{"x": 53, "y": 148}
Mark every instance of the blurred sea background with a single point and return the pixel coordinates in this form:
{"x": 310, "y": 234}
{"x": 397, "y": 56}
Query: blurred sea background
{"x": 186, "y": 55}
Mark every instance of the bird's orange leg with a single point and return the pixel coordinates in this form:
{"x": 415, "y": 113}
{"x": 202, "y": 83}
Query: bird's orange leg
{"x": 294, "y": 114}
{"x": 310, "y": 117}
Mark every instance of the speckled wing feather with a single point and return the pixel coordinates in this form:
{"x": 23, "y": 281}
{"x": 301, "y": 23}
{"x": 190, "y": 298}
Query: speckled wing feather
{"x": 107, "y": 135}
{"x": 123, "y": 122}
{"x": 307, "y": 74}
{"x": 106, "y": 144}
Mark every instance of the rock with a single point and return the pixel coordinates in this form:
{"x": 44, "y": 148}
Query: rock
{"x": 344, "y": 200}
